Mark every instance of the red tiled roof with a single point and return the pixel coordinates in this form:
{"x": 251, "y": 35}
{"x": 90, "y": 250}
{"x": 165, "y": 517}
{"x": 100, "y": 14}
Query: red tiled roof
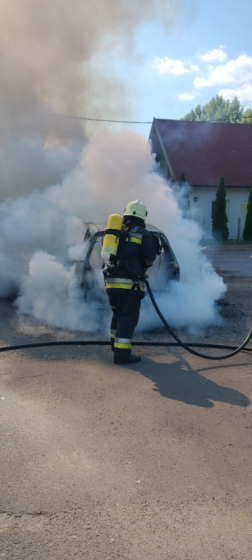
{"x": 205, "y": 151}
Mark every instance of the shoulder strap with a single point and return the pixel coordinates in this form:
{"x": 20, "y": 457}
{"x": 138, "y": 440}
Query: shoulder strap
{"x": 122, "y": 248}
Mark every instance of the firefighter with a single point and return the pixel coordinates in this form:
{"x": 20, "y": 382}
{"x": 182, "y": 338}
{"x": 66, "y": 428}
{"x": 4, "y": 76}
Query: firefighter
{"x": 124, "y": 280}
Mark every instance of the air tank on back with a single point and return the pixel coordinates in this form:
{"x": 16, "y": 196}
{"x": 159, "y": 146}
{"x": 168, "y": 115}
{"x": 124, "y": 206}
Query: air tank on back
{"x": 111, "y": 237}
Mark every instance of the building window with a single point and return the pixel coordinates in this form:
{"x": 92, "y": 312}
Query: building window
{"x": 196, "y": 199}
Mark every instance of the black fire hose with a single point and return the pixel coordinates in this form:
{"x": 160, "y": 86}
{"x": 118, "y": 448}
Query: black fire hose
{"x": 186, "y": 346}
{"x": 178, "y": 342}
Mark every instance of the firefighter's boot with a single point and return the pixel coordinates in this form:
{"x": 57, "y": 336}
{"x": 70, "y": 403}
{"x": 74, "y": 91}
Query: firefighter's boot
{"x": 125, "y": 357}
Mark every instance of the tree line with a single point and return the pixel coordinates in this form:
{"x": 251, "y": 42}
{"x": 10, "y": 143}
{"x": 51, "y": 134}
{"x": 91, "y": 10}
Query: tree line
{"x": 220, "y": 110}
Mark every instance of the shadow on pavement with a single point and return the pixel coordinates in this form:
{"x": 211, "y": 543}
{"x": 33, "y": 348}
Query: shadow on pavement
{"x": 178, "y": 381}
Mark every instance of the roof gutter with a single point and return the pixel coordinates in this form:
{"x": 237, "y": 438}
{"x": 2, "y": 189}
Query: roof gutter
{"x": 163, "y": 149}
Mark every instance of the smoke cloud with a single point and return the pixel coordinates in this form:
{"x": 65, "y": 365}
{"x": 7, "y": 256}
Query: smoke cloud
{"x": 58, "y": 57}
{"x": 26, "y": 163}
{"x": 50, "y": 62}
{"x": 42, "y": 234}
{"x": 47, "y": 52}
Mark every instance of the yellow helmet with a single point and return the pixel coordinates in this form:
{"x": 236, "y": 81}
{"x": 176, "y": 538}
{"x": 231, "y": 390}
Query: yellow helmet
{"x": 137, "y": 209}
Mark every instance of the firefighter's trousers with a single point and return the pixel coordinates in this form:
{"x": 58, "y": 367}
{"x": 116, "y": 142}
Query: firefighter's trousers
{"x": 126, "y": 308}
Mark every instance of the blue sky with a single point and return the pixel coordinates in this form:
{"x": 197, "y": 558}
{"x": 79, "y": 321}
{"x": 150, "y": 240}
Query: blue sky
{"x": 209, "y": 52}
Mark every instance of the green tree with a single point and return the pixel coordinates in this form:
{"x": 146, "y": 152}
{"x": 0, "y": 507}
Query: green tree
{"x": 219, "y": 223}
{"x": 247, "y": 232}
{"x": 247, "y": 116}
{"x": 218, "y": 109}
{"x": 182, "y": 179}
{"x": 184, "y": 200}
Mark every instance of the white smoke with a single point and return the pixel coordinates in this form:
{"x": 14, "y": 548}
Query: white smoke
{"x": 47, "y": 58}
{"x": 50, "y": 294}
{"x": 59, "y": 58}
{"x": 51, "y": 63}
{"x": 41, "y": 234}
{"x": 26, "y": 163}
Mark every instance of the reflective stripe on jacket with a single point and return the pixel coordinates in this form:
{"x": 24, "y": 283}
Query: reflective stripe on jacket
{"x": 123, "y": 283}
{"x": 135, "y": 238}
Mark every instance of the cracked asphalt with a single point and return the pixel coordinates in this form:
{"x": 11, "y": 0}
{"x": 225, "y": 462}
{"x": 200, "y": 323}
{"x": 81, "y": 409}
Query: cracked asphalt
{"x": 147, "y": 462}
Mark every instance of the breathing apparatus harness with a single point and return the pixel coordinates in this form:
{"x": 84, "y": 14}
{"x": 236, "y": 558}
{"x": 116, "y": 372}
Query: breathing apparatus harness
{"x": 112, "y": 259}
{"x": 114, "y": 250}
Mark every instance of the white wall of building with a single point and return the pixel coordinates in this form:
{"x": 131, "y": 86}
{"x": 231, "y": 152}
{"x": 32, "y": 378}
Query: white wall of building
{"x": 201, "y": 199}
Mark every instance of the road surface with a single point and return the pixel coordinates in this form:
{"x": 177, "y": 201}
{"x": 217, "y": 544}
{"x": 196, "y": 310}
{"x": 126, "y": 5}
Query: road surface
{"x": 99, "y": 461}
{"x": 231, "y": 260}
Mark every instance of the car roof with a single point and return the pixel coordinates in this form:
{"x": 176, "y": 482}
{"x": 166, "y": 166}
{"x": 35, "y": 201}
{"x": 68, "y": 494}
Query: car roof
{"x": 93, "y": 228}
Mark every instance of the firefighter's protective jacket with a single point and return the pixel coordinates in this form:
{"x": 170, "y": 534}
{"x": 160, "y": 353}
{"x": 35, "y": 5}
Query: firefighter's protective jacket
{"x": 136, "y": 253}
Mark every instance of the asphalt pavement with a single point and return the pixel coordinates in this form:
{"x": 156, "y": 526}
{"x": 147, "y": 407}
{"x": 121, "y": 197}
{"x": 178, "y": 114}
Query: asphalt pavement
{"x": 231, "y": 260}
{"x": 99, "y": 461}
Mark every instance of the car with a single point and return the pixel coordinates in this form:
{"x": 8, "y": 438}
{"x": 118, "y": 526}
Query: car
{"x": 89, "y": 270}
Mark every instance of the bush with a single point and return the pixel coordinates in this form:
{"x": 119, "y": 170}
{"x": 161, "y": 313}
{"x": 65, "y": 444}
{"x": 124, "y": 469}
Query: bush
{"x": 247, "y": 232}
{"x": 184, "y": 200}
{"x": 219, "y": 223}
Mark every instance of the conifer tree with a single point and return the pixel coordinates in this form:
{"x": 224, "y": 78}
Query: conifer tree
{"x": 247, "y": 232}
{"x": 184, "y": 200}
{"x": 219, "y": 223}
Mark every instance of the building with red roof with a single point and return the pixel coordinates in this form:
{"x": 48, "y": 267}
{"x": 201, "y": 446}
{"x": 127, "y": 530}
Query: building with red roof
{"x": 205, "y": 151}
